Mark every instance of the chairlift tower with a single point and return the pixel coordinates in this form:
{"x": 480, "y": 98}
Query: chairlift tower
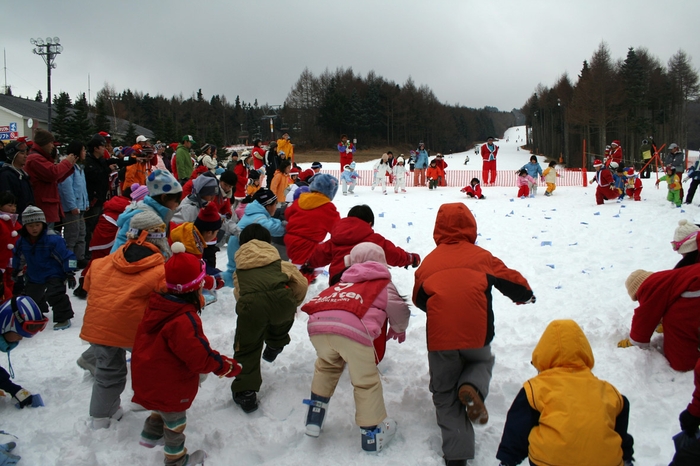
{"x": 48, "y": 49}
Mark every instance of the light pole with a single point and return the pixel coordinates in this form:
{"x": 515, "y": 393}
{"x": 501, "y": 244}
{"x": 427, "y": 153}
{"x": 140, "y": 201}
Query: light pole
{"x": 48, "y": 50}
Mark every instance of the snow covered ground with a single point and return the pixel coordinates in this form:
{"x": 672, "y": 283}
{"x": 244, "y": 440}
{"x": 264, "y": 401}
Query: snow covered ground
{"x": 580, "y": 276}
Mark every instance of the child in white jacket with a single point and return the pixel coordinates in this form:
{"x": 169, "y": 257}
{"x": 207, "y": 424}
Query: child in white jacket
{"x": 399, "y": 175}
{"x": 381, "y": 169}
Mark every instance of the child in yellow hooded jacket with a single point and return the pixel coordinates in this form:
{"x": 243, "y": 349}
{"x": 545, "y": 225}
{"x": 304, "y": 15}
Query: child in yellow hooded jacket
{"x": 566, "y": 415}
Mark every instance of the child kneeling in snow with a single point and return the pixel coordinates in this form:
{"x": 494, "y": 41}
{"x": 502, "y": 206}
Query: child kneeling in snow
{"x": 342, "y": 332}
{"x": 566, "y": 415}
{"x": 20, "y": 317}
{"x": 170, "y": 352}
{"x": 474, "y": 189}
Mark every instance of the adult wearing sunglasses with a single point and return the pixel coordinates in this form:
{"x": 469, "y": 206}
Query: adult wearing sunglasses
{"x": 13, "y": 178}
{"x": 20, "y": 318}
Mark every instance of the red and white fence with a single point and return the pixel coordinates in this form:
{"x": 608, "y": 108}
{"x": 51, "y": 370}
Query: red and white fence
{"x": 461, "y": 178}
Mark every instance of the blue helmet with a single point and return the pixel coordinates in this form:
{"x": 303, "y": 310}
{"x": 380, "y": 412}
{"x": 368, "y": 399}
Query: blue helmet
{"x": 21, "y": 315}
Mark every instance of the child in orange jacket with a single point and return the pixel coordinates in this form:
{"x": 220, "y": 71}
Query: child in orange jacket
{"x": 433, "y": 174}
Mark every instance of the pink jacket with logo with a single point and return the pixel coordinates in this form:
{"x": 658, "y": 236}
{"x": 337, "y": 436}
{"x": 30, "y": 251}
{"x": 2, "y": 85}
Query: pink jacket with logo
{"x": 387, "y": 304}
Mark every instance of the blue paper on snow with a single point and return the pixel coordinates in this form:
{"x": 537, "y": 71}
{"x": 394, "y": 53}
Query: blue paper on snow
{"x": 546, "y": 243}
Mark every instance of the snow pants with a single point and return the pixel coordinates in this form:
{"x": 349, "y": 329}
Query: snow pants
{"x": 333, "y": 352}
{"x": 524, "y": 191}
{"x": 419, "y": 177}
{"x": 379, "y": 180}
{"x": 110, "y": 380}
{"x": 635, "y": 194}
{"x": 489, "y": 172}
{"x": 53, "y": 292}
{"x": 605, "y": 193}
{"x": 347, "y": 187}
{"x": 400, "y": 183}
{"x": 551, "y": 187}
{"x": 449, "y": 370}
{"x": 268, "y": 323}
{"x": 74, "y": 234}
{"x": 675, "y": 196}
{"x": 691, "y": 191}
{"x": 171, "y": 428}
{"x": 345, "y": 159}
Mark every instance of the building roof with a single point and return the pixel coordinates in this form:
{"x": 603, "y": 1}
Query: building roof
{"x": 29, "y": 108}
{"x": 25, "y": 107}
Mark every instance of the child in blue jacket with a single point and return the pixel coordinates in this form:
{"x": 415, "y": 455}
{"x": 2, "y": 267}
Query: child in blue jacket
{"x": 49, "y": 265}
{"x": 262, "y": 211}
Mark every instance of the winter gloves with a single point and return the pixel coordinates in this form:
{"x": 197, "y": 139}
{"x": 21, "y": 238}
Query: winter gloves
{"x": 70, "y": 280}
{"x": 689, "y": 423}
{"x": 626, "y": 343}
{"x": 393, "y": 335}
{"x": 25, "y": 399}
{"x": 229, "y": 369}
{"x": 415, "y": 260}
{"x": 6, "y": 446}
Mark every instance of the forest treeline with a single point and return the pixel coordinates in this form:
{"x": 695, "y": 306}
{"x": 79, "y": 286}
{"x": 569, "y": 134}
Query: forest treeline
{"x": 317, "y": 110}
{"x": 627, "y": 100}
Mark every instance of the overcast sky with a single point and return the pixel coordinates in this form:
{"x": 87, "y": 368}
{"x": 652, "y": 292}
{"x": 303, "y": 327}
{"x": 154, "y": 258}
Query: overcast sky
{"x": 474, "y": 53}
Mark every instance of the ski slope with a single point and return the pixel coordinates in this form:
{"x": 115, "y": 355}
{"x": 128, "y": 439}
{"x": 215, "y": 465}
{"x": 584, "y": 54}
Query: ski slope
{"x": 580, "y": 275}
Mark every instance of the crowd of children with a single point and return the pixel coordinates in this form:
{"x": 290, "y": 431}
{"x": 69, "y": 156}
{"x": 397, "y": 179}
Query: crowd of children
{"x": 158, "y": 240}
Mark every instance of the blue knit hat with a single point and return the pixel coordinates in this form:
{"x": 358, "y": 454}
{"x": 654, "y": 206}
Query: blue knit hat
{"x": 325, "y": 184}
{"x": 162, "y": 182}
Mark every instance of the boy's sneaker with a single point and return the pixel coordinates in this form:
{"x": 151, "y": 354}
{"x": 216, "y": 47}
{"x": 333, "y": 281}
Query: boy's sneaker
{"x": 151, "y": 442}
{"x": 403, "y": 190}
{"x": 62, "y": 325}
{"x": 247, "y": 400}
{"x": 196, "y": 457}
{"x": 316, "y": 415}
{"x": 270, "y": 353}
{"x": 105, "y": 422}
{"x": 374, "y": 439}
{"x": 476, "y": 410}
{"x": 345, "y": 194}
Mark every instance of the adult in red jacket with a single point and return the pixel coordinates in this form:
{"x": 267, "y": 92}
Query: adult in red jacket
{"x": 241, "y": 171}
{"x": 356, "y": 228}
{"x": 45, "y": 175}
{"x": 606, "y": 183}
{"x": 615, "y": 154}
{"x": 674, "y": 296}
{"x": 489, "y": 152}
{"x": 310, "y": 218}
{"x": 453, "y": 286}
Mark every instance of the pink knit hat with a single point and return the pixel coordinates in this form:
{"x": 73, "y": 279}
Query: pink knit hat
{"x": 138, "y": 192}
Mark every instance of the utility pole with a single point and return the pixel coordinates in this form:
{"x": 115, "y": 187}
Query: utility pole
{"x": 48, "y": 50}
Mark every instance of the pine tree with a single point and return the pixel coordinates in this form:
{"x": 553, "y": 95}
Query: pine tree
{"x": 130, "y": 135}
{"x": 100, "y": 122}
{"x": 39, "y": 97}
{"x": 81, "y": 128}
{"x": 61, "y": 117}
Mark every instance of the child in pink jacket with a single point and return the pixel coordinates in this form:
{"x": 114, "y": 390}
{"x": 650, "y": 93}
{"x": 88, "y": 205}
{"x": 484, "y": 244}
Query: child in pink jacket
{"x": 524, "y": 182}
{"x": 343, "y": 322}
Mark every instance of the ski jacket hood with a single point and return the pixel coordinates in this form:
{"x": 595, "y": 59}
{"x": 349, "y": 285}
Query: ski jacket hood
{"x": 563, "y": 345}
{"x": 454, "y": 223}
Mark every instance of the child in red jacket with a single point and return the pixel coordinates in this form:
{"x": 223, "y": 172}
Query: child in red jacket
{"x": 9, "y": 233}
{"x": 169, "y": 353}
{"x": 474, "y": 189}
{"x": 633, "y": 185}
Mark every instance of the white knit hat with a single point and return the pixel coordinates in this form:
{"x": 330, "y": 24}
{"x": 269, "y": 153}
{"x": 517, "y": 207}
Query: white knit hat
{"x": 685, "y": 238}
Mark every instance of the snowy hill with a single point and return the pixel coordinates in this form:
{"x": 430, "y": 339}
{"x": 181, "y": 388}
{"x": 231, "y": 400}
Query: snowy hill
{"x": 580, "y": 276}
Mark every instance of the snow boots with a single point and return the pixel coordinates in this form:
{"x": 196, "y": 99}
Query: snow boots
{"x": 270, "y": 353}
{"x": 196, "y": 457}
{"x": 247, "y": 400}
{"x": 476, "y": 410}
{"x": 317, "y": 413}
{"x": 374, "y": 439}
